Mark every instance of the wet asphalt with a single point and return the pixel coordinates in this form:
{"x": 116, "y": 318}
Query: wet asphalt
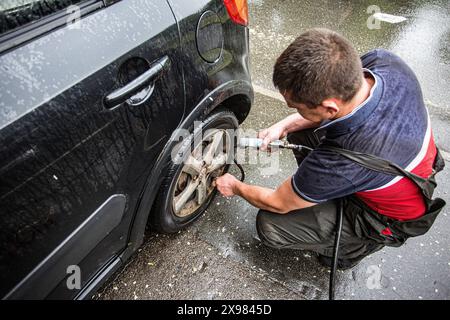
{"x": 218, "y": 257}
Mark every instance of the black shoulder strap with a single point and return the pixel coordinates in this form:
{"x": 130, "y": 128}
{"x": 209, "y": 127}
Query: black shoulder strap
{"x": 378, "y": 164}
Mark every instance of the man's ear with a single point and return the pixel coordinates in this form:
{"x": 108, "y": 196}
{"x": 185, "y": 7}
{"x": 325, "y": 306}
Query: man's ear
{"x": 331, "y": 106}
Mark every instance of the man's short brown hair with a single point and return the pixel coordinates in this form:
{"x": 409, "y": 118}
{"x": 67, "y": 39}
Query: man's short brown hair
{"x": 318, "y": 65}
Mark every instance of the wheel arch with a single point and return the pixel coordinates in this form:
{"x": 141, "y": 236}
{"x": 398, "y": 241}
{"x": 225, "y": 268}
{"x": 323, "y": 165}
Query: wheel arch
{"x": 239, "y": 104}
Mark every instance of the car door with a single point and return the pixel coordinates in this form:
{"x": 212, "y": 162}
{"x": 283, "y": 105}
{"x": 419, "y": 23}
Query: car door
{"x": 90, "y": 91}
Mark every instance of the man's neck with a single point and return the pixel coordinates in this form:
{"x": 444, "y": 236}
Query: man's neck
{"x": 361, "y": 96}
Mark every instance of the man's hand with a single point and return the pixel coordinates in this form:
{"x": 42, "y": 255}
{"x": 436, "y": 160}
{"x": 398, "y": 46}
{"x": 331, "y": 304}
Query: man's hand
{"x": 275, "y": 132}
{"x": 279, "y": 130}
{"x": 226, "y": 185}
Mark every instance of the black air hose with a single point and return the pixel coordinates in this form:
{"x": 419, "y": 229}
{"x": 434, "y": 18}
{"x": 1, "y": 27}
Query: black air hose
{"x": 339, "y": 218}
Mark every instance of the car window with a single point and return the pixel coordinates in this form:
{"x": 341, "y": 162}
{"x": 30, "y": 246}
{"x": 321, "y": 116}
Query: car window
{"x": 17, "y": 13}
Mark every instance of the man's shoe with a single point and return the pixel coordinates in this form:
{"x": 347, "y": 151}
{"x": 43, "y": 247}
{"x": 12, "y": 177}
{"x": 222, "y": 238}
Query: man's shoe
{"x": 343, "y": 264}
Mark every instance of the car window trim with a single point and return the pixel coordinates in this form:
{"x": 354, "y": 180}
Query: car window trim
{"x": 17, "y": 37}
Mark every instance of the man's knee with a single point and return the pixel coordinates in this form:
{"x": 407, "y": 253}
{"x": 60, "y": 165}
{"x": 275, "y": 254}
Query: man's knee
{"x": 267, "y": 230}
{"x": 310, "y": 228}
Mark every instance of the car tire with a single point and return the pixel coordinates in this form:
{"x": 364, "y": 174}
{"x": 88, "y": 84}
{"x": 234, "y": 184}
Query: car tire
{"x": 166, "y": 216}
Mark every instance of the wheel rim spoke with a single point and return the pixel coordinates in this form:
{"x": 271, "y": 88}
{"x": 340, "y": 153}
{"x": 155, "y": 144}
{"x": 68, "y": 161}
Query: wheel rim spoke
{"x": 201, "y": 191}
{"x": 184, "y": 196}
{"x": 212, "y": 148}
{"x": 192, "y": 166}
{"x": 217, "y": 162}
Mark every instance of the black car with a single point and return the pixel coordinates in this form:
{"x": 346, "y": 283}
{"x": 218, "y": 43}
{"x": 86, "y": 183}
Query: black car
{"x": 91, "y": 93}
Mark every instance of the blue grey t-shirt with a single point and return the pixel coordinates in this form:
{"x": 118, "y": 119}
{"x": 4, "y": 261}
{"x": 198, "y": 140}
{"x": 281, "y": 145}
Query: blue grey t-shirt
{"x": 392, "y": 123}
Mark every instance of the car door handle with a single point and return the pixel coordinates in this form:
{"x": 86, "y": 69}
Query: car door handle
{"x": 122, "y": 94}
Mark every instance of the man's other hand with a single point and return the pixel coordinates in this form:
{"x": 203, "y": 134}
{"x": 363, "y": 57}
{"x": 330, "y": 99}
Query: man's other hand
{"x": 226, "y": 185}
{"x": 275, "y": 132}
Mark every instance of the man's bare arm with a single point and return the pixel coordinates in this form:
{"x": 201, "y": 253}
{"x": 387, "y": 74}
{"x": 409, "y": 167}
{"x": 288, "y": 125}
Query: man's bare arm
{"x": 282, "y": 200}
{"x": 279, "y": 130}
{"x": 296, "y": 122}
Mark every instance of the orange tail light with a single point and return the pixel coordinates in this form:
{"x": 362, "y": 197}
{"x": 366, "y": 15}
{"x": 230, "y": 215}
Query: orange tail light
{"x": 237, "y": 10}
